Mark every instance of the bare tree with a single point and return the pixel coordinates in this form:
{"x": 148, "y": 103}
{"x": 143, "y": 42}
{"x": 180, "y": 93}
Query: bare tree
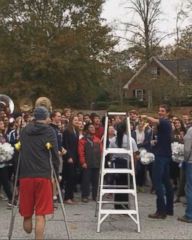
{"x": 144, "y": 41}
{"x": 181, "y": 14}
{"x": 144, "y": 32}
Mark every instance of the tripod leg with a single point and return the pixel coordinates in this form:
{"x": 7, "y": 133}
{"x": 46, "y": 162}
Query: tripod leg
{"x": 62, "y": 206}
{"x": 14, "y": 208}
{"x": 11, "y": 225}
{"x": 59, "y": 192}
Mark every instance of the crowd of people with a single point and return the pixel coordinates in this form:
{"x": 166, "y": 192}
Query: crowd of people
{"x": 79, "y": 140}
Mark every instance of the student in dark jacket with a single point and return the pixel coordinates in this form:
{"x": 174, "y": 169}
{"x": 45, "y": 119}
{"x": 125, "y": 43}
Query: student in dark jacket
{"x": 35, "y": 173}
{"x": 161, "y": 171}
{"x": 55, "y": 121}
{"x": 90, "y": 148}
{"x": 70, "y": 143}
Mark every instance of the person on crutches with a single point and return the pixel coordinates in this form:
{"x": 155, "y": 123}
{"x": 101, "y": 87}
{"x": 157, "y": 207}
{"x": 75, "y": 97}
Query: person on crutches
{"x": 35, "y": 171}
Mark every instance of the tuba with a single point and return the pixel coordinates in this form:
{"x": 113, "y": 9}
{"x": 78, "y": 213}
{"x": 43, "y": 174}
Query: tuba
{"x": 26, "y": 105}
{"x": 45, "y": 102}
{"x": 6, "y": 104}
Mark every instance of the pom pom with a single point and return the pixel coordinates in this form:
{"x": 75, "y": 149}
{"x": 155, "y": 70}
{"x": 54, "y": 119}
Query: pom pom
{"x": 177, "y": 152}
{"x": 6, "y": 152}
{"x": 146, "y": 157}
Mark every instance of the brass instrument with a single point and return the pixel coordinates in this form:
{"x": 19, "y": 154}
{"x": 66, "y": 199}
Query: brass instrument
{"x": 45, "y": 102}
{"x": 26, "y": 105}
{"x": 6, "y": 104}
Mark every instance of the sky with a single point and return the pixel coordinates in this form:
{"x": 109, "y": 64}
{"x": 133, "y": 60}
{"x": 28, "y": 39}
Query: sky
{"x": 115, "y": 12}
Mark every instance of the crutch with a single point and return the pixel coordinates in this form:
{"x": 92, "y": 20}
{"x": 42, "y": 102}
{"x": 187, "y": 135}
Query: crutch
{"x": 49, "y": 146}
{"x": 14, "y": 206}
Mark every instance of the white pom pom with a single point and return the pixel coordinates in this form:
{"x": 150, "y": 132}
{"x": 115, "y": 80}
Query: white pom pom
{"x": 142, "y": 152}
{"x": 147, "y": 158}
{"x": 6, "y": 152}
{"x": 177, "y": 152}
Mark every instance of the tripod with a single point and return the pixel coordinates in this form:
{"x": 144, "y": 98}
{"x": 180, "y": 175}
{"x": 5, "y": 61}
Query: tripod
{"x": 14, "y": 206}
{"x": 54, "y": 176}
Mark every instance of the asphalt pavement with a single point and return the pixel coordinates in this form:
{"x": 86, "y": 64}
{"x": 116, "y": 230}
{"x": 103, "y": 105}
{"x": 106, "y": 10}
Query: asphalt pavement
{"x": 82, "y": 223}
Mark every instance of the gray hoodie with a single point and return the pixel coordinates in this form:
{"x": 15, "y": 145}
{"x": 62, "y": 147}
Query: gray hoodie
{"x": 188, "y": 145}
{"x": 34, "y": 154}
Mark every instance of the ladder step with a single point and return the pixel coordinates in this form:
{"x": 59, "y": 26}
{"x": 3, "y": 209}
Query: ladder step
{"x": 117, "y": 150}
{"x": 131, "y": 191}
{"x": 117, "y": 170}
{"x": 113, "y": 202}
{"x": 114, "y": 186}
{"x": 118, "y": 211}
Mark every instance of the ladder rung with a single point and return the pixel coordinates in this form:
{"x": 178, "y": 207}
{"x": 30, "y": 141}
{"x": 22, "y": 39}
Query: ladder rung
{"x": 131, "y": 191}
{"x": 117, "y": 150}
{"x": 116, "y": 113}
{"x": 118, "y": 211}
{"x": 113, "y": 202}
{"x": 114, "y": 186}
{"x": 117, "y": 170}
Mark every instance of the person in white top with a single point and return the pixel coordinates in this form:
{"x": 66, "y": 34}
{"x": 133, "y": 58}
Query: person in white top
{"x": 122, "y": 161}
{"x": 111, "y": 133}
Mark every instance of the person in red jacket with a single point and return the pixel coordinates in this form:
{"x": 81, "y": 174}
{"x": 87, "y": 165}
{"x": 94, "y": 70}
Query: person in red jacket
{"x": 89, "y": 149}
{"x": 99, "y": 130}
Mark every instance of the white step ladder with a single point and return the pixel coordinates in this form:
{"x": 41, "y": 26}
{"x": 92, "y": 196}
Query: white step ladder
{"x": 102, "y": 213}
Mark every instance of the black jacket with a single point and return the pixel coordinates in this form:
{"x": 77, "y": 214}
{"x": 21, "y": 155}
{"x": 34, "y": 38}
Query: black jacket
{"x": 34, "y": 154}
{"x": 70, "y": 143}
{"x": 58, "y": 134}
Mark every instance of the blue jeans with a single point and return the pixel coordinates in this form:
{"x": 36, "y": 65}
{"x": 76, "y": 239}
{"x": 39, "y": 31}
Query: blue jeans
{"x": 162, "y": 185}
{"x": 188, "y": 169}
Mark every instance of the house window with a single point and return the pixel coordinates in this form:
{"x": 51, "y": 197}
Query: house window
{"x": 155, "y": 71}
{"x": 139, "y": 94}
{"x": 185, "y": 73}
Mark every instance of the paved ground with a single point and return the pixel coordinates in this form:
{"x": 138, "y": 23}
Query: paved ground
{"x": 82, "y": 223}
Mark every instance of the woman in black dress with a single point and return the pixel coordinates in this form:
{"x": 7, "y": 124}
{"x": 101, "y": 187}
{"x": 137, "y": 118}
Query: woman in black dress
{"x": 70, "y": 143}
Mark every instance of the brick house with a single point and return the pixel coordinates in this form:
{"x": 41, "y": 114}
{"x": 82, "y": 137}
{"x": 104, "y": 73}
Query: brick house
{"x": 162, "y": 78}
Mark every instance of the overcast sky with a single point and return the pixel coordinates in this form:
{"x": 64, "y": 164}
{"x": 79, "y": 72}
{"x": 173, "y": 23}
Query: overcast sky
{"x": 115, "y": 12}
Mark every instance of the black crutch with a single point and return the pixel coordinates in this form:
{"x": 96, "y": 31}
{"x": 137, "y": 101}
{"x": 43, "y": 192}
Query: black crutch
{"x": 49, "y": 146}
{"x": 14, "y": 206}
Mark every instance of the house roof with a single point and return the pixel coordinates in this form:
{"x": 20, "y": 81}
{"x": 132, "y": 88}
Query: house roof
{"x": 169, "y": 66}
{"x": 182, "y": 66}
